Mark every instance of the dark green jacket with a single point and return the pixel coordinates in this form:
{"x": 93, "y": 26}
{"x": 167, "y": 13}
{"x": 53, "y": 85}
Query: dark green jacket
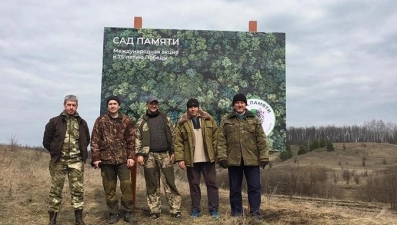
{"x": 142, "y": 141}
{"x": 185, "y": 142}
{"x": 242, "y": 139}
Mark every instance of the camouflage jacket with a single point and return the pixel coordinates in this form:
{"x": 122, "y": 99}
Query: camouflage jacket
{"x": 55, "y": 132}
{"x": 242, "y": 139}
{"x": 184, "y": 138}
{"x": 142, "y": 141}
{"x": 113, "y": 139}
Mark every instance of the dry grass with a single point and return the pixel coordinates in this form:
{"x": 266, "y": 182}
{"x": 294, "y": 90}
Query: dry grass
{"x": 348, "y": 168}
{"x": 25, "y": 184}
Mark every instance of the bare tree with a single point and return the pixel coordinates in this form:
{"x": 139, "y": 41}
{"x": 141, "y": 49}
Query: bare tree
{"x": 373, "y": 131}
{"x": 12, "y": 140}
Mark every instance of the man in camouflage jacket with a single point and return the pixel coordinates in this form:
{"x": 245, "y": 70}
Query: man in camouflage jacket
{"x": 242, "y": 148}
{"x": 154, "y": 149}
{"x": 112, "y": 147}
{"x": 66, "y": 137}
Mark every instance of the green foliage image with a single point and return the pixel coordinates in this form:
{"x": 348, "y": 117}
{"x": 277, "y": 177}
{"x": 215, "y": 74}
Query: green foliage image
{"x": 212, "y": 66}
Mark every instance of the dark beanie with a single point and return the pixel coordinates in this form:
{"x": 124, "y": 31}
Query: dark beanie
{"x": 239, "y": 97}
{"x": 192, "y": 102}
{"x": 113, "y": 97}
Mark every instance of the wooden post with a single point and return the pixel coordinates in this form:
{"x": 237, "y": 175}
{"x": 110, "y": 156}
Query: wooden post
{"x": 253, "y": 27}
{"x": 133, "y": 183}
{"x": 137, "y": 22}
{"x": 137, "y": 25}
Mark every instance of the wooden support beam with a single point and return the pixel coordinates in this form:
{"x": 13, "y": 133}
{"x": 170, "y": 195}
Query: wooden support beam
{"x": 137, "y": 25}
{"x": 252, "y": 26}
{"x": 133, "y": 184}
{"x": 138, "y": 22}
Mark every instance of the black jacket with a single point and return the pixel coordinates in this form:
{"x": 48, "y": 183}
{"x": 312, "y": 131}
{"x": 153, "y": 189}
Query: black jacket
{"x": 54, "y": 135}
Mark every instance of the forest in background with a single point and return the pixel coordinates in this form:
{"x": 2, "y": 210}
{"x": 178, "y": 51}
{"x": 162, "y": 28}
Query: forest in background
{"x": 374, "y": 131}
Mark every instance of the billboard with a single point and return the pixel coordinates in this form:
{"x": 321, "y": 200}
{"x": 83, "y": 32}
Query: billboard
{"x": 212, "y": 66}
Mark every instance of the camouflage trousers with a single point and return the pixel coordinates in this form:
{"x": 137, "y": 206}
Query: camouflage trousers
{"x": 74, "y": 170}
{"x": 109, "y": 175}
{"x": 159, "y": 168}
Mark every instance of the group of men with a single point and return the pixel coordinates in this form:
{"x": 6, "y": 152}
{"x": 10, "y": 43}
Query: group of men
{"x": 195, "y": 143}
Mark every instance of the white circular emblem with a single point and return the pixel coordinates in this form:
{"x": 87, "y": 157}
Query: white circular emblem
{"x": 264, "y": 112}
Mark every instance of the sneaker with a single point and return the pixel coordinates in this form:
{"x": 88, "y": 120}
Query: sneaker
{"x": 177, "y": 215}
{"x": 113, "y": 218}
{"x": 129, "y": 218}
{"x": 237, "y": 214}
{"x": 154, "y": 215}
{"x": 256, "y": 217}
{"x": 195, "y": 214}
{"x": 214, "y": 213}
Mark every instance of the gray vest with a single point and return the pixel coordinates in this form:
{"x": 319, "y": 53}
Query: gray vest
{"x": 158, "y": 136}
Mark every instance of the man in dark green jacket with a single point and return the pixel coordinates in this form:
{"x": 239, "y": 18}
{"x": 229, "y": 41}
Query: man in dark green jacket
{"x": 66, "y": 137}
{"x": 242, "y": 148}
{"x": 195, "y": 149}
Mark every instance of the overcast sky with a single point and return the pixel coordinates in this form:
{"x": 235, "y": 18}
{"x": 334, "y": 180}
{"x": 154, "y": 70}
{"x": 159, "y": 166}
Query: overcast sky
{"x": 341, "y": 56}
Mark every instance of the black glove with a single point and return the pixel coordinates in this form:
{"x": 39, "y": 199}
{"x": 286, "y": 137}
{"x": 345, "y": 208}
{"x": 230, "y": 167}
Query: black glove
{"x": 223, "y": 163}
{"x": 263, "y": 164}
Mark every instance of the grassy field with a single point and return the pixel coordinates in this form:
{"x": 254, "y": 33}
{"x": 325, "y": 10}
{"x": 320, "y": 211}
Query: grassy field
{"x": 25, "y": 183}
{"x": 360, "y": 161}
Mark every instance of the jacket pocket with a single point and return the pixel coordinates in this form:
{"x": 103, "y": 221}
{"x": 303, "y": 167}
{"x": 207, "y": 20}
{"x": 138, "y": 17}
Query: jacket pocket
{"x": 209, "y": 129}
{"x": 104, "y": 145}
{"x": 229, "y": 128}
{"x": 250, "y": 126}
{"x": 185, "y": 135}
{"x": 76, "y": 131}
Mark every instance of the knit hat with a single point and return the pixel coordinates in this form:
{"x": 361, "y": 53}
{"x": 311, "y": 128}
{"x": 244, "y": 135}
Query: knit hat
{"x": 113, "y": 97}
{"x": 239, "y": 97}
{"x": 192, "y": 102}
{"x": 151, "y": 98}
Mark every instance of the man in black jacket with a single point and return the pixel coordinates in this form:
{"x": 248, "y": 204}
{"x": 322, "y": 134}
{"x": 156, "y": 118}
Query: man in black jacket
{"x": 66, "y": 137}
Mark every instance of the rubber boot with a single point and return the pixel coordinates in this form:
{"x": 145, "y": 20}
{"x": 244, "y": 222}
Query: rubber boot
{"x": 53, "y": 218}
{"x": 79, "y": 217}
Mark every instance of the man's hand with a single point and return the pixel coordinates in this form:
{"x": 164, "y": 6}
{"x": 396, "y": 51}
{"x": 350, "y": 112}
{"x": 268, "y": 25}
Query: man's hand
{"x": 223, "y": 163}
{"x": 96, "y": 164}
{"x": 140, "y": 160}
{"x": 182, "y": 164}
{"x": 263, "y": 164}
{"x": 130, "y": 163}
{"x": 172, "y": 158}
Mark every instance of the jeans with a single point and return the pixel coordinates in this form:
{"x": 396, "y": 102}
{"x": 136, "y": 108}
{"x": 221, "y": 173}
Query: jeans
{"x": 252, "y": 175}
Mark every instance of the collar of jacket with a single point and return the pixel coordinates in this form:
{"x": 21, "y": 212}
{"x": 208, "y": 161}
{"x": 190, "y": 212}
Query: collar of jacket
{"x": 65, "y": 115}
{"x": 247, "y": 114}
{"x": 186, "y": 117}
{"x": 150, "y": 114}
{"x": 120, "y": 116}
{"x": 160, "y": 113}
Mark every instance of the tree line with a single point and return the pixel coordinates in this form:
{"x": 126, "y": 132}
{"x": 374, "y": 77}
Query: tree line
{"x": 373, "y": 131}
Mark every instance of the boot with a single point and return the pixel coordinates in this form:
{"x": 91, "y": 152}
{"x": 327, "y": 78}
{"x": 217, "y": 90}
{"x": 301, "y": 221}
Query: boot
{"x": 53, "y": 218}
{"x": 79, "y": 217}
{"x": 128, "y": 218}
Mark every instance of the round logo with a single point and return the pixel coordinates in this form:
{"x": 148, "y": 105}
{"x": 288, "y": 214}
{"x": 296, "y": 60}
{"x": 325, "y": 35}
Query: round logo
{"x": 264, "y": 112}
